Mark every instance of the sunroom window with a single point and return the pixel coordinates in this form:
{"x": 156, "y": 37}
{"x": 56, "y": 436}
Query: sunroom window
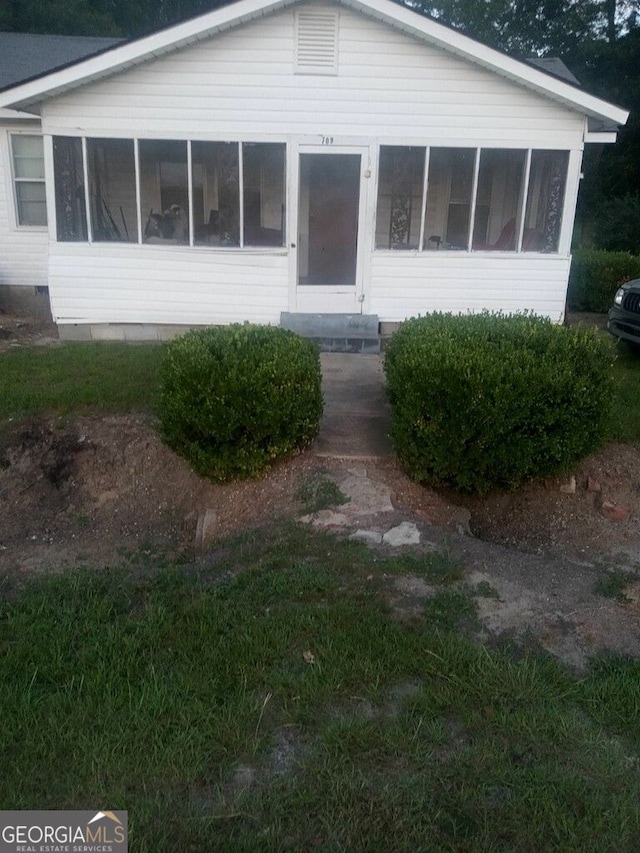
{"x": 112, "y": 190}
{"x": 216, "y": 185}
{"x": 263, "y": 174}
{"x": 71, "y": 214}
{"x": 399, "y": 197}
{"x": 499, "y": 199}
{"x": 28, "y": 179}
{"x": 235, "y": 191}
{"x": 164, "y": 191}
{"x": 469, "y": 191}
{"x": 545, "y": 201}
{"x": 449, "y": 197}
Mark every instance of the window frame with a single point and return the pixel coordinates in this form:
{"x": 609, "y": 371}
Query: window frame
{"x": 519, "y": 248}
{"x": 15, "y": 180}
{"x": 191, "y": 243}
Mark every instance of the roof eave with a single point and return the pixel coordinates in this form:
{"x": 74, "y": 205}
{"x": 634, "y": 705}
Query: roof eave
{"x": 17, "y": 115}
{"x": 602, "y": 136}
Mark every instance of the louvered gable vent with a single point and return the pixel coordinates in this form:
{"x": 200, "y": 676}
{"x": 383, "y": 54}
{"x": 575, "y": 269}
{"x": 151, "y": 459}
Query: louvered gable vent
{"x": 317, "y": 42}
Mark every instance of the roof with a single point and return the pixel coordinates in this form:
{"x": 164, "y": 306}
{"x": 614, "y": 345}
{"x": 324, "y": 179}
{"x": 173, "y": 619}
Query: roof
{"x": 554, "y": 66}
{"x": 128, "y": 54}
{"x": 25, "y": 55}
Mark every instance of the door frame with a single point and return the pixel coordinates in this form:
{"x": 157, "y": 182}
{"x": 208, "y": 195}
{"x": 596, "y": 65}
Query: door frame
{"x": 329, "y": 299}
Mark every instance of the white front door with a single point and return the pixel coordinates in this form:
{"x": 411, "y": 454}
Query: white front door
{"x": 329, "y": 210}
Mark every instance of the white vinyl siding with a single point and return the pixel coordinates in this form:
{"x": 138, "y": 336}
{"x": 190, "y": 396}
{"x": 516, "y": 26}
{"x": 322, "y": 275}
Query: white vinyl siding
{"x": 404, "y": 286}
{"x": 122, "y": 283}
{"x": 23, "y": 251}
{"x": 388, "y": 84}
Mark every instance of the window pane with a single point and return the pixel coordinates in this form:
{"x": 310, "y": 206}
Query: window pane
{"x": 164, "y": 194}
{"x": 545, "y": 201}
{"x": 216, "y": 193}
{"x": 112, "y": 190}
{"x": 399, "y": 197}
{"x": 32, "y": 207}
{"x": 71, "y": 217}
{"x": 263, "y": 169}
{"x": 449, "y": 191}
{"x": 499, "y": 199}
{"x": 28, "y": 157}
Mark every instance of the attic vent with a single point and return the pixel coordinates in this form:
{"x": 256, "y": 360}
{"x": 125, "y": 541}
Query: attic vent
{"x": 317, "y": 42}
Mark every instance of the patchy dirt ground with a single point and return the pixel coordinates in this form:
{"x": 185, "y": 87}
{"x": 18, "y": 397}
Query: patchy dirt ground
{"x": 90, "y": 490}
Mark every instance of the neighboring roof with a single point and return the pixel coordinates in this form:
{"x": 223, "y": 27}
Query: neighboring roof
{"x": 129, "y": 54}
{"x": 24, "y": 56}
{"x": 555, "y": 66}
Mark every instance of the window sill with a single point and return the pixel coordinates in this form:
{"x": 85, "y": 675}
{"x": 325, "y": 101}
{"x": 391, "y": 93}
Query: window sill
{"x": 180, "y": 247}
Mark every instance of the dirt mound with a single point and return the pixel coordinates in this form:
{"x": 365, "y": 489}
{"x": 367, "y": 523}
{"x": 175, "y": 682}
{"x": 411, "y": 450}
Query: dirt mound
{"x": 93, "y": 489}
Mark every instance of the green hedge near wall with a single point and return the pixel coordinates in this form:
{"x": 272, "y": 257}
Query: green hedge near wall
{"x": 596, "y": 275}
{"x": 234, "y": 399}
{"x": 487, "y": 400}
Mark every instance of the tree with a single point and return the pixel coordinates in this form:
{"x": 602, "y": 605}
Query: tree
{"x": 521, "y": 27}
{"x": 97, "y": 17}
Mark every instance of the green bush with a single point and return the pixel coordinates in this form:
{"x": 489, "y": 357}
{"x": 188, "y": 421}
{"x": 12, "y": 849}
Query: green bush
{"x": 490, "y": 400}
{"x": 236, "y": 398}
{"x": 596, "y": 275}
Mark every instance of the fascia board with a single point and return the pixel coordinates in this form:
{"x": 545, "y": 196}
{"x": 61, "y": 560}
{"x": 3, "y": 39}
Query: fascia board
{"x": 14, "y": 115}
{"x": 602, "y": 136}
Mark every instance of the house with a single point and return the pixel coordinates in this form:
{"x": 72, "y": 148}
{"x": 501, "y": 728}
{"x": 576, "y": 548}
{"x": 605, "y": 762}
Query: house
{"x": 284, "y": 156}
{"x": 24, "y": 237}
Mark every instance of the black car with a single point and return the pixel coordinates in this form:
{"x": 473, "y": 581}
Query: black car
{"x": 624, "y": 315}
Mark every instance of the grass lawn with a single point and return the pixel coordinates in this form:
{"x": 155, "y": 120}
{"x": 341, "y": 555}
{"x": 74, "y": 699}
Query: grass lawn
{"x": 626, "y": 409}
{"x": 273, "y": 701}
{"x": 101, "y": 378}
{"x": 113, "y": 377}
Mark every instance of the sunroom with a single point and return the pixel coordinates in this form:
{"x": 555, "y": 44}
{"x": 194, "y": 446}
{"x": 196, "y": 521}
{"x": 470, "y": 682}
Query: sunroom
{"x": 169, "y": 192}
{"x": 470, "y": 199}
{"x": 232, "y": 194}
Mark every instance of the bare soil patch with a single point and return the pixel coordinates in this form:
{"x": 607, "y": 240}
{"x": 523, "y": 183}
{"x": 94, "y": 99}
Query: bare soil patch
{"x": 93, "y": 488}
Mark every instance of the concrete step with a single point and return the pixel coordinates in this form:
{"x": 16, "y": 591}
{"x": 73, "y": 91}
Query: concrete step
{"x": 336, "y": 332}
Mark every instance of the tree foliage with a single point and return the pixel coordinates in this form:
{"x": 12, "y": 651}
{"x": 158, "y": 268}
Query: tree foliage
{"x": 97, "y": 17}
{"x": 543, "y": 27}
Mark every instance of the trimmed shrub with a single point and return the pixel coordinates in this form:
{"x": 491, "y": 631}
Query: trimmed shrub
{"x": 596, "y": 275}
{"x": 491, "y": 400}
{"x": 236, "y": 398}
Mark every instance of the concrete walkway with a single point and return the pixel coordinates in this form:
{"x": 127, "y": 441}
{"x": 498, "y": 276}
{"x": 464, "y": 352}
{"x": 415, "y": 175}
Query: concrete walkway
{"x": 357, "y": 415}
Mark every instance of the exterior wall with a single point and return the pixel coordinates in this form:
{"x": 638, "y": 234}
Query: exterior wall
{"x": 157, "y": 285}
{"x": 390, "y": 89}
{"x": 23, "y": 251}
{"x": 404, "y": 287}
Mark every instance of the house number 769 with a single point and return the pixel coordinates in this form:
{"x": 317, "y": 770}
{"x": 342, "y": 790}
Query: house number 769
{"x": 327, "y": 140}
